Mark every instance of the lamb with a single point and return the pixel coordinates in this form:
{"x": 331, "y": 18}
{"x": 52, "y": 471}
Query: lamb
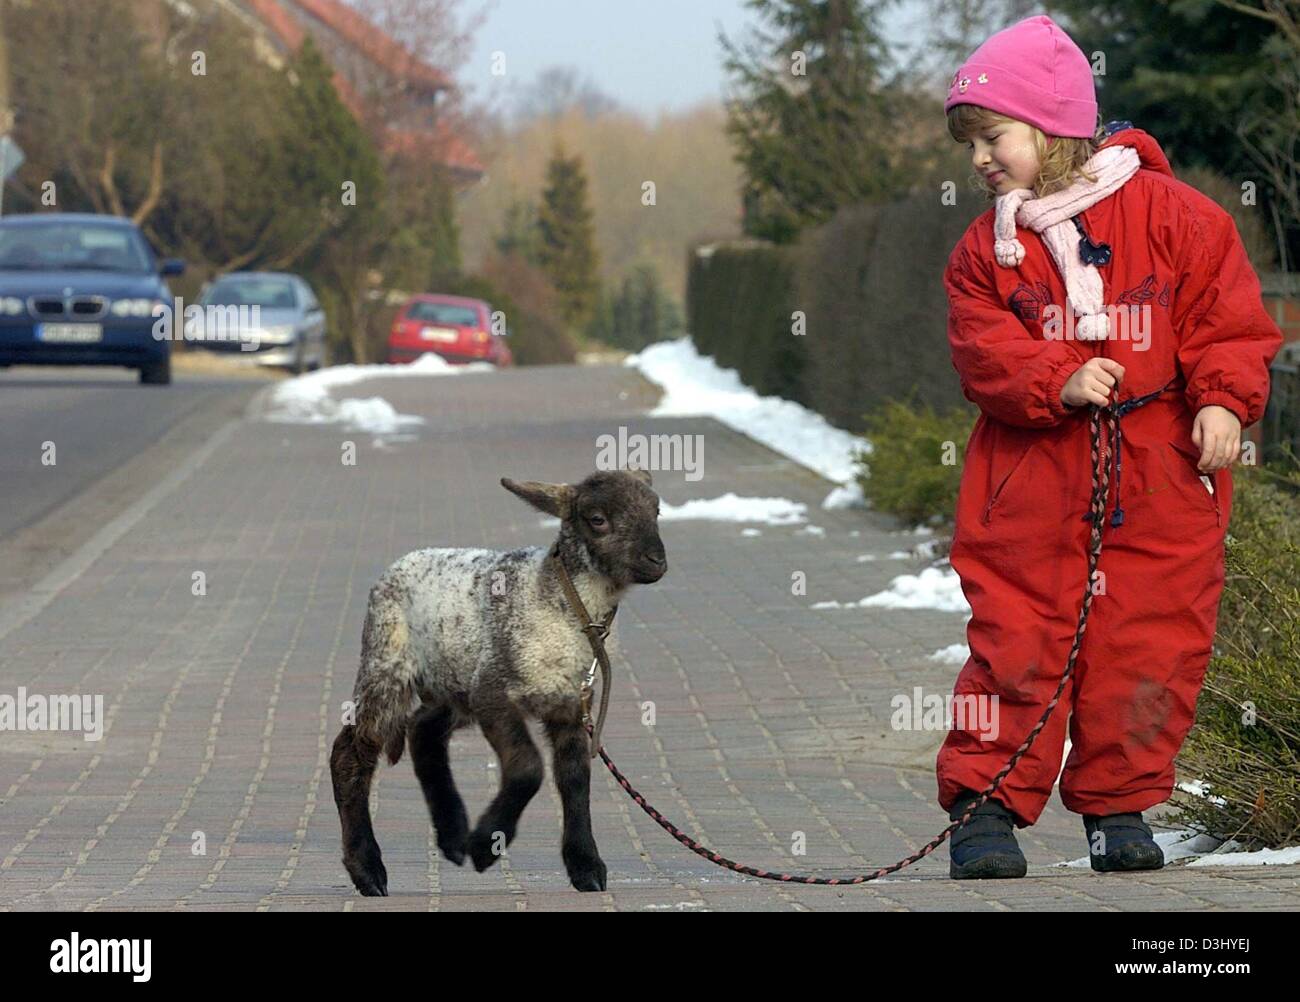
{"x": 458, "y": 636}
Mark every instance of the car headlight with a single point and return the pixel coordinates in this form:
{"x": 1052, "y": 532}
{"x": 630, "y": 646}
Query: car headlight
{"x": 132, "y": 307}
{"x": 12, "y": 306}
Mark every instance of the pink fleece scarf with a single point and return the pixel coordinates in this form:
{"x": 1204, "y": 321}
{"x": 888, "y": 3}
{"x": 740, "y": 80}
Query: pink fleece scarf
{"x": 1052, "y": 218}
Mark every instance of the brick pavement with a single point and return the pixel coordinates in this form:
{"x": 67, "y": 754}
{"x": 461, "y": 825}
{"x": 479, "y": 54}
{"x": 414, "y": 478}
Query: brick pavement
{"x": 772, "y": 718}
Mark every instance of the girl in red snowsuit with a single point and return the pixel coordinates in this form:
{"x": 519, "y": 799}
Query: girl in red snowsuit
{"x": 1072, "y": 293}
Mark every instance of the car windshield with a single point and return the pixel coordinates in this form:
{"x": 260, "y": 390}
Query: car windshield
{"x": 269, "y": 293}
{"x": 443, "y": 313}
{"x": 63, "y": 246}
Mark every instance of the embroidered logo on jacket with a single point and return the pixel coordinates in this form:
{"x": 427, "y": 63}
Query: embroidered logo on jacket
{"x": 1027, "y": 302}
{"x": 1142, "y": 293}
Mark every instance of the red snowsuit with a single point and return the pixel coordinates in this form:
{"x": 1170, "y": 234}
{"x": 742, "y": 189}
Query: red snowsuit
{"x": 1020, "y": 544}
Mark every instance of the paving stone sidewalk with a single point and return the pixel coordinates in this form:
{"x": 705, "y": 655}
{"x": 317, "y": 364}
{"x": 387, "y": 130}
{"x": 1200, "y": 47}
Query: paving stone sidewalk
{"x": 772, "y": 718}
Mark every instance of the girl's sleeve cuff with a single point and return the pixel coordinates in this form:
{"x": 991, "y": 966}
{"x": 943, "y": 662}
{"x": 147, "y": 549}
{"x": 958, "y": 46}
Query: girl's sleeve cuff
{"x": 1060, "y": 375}
{"x": 1223, "y": 399}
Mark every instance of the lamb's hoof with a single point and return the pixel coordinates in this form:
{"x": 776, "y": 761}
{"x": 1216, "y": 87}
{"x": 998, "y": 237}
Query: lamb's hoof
{"x": 586, "y": 873}
{"x": 369, "y": 876}
{"x": 454, "y": 837}
{"x": 481, "y": 846}
{"x": 454, "y": 846}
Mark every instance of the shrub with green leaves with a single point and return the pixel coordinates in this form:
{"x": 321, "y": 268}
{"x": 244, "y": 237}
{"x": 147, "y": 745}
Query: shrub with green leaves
{"x": 914, "y": 468}
{"x": 1245, "y": 745}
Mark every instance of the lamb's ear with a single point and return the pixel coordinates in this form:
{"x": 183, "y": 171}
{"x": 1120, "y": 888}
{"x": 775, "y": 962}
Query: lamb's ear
{"x": 642, "y": 475}
{"x": 554, "y": 499}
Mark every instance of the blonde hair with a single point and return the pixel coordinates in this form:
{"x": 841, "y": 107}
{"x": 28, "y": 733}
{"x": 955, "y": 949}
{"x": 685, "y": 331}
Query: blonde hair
{"x": 1061, "y": 159}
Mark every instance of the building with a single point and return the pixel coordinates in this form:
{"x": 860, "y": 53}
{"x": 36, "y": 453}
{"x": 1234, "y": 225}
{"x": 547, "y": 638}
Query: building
{"x": 375, "y": 76}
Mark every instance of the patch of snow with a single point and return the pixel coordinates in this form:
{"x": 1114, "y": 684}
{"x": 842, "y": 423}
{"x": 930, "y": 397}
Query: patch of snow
{"x": 694, "y": 384}
{"x": 953, "y": 654}
{"x": 1199, "y": 788}
{"x": 1261, "y": 857}
{"x": 934, "y": 588}
{"x": 306, "y": 399}
{"x": 731, "y": 507}
{"x": 845, "y": 496}
{"x": 1204, "y": 850}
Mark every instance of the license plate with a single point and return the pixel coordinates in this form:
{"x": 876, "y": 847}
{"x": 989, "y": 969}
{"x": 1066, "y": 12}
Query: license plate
{"x": 438, "y": 334}
{"x": 69, "y": 333}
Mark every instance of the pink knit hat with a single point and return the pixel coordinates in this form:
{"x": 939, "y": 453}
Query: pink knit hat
{"x": 1033, "y": 72}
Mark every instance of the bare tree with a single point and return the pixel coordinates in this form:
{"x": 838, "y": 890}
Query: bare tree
{"x": 1272, "y": 138}
{"x": 557, "y": 90}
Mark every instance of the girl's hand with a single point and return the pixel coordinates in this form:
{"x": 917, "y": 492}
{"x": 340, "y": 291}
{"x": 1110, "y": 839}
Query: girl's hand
{"x": 1217, "y": 433}
{"x": 1092, "y": 382}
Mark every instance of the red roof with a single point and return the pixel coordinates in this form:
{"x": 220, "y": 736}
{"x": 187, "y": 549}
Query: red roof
{"x": 384, "y": 52}
{"x": 279, "y": 21}
{"x": 374, "y": 44}
{"x": 443, "y": 143}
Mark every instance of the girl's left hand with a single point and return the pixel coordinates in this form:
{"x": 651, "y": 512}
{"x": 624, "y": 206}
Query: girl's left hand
{"x": 1217, "y": 433}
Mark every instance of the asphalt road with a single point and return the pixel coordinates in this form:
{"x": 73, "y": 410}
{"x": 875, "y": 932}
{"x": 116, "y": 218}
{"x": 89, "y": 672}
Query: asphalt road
{"x": 97, "y": 420}
{"x": 112, "y": 441}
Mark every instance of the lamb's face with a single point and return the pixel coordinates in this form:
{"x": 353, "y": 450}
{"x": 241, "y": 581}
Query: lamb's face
{"x": 616, "y": 515}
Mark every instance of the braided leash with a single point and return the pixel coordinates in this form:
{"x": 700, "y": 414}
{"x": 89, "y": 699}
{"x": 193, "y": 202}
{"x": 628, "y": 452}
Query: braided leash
{"x": 1096, "y": 514}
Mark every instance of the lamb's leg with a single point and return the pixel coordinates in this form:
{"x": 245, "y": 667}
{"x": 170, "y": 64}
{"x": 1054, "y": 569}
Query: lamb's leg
{"x": 428, "y": 734}
{"x": 352, "y": 766}
{"x": 522, "y": 772}
{"x": 571, "y": 762}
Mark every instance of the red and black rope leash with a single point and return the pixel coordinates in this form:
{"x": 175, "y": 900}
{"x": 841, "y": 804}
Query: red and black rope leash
{"x": 1097, "y": 512}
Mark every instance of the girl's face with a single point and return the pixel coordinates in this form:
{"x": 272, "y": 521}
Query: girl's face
{"x": 1005, "y": 155}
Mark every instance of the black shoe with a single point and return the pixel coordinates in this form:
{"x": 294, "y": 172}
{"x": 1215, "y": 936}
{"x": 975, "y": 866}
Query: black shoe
{"x": 984, "y": 848}
{"x": 1121, "y": 842}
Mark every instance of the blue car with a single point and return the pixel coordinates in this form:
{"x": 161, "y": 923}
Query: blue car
{"x": 82, "y": 289}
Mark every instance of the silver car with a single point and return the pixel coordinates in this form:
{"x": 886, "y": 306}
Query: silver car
{"x": 270, "y": 317}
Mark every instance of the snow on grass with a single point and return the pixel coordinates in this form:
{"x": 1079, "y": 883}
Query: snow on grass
{"x": 1261, "y": 857}
{"x": 1205, "y": 850}
{"x": 1202, "y": 850}
{"x": 694, "y": 384}
{"x": 306, "y": 399}
{"x": 1200, "y": 788}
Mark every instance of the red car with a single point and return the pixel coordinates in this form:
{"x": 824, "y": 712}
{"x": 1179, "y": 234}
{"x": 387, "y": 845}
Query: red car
{"x": 454, "y": 327}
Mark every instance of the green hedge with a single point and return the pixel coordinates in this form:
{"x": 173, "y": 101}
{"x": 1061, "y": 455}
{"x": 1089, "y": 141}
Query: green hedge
{"x": 851, "y": 316}
{"x": 915, "y": 465}
{"x": 739, "y": 304}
